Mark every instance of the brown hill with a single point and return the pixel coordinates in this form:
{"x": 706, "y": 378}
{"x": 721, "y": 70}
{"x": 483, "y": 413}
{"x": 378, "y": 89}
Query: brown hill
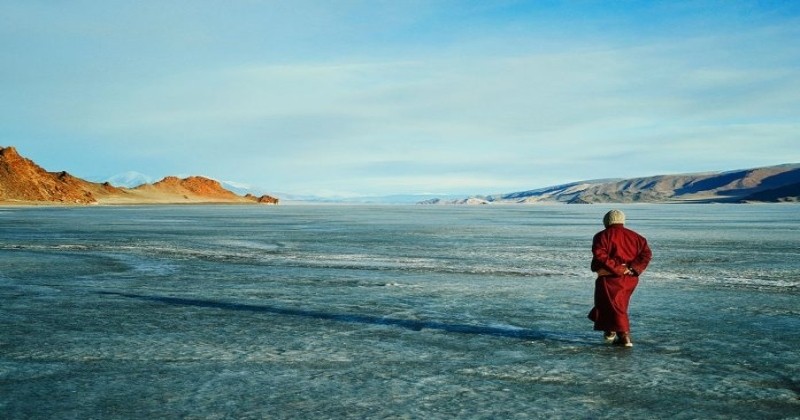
{"x": 717, "y": 187}
{"x": 24, "y": 182}
{"x": 730, "y": 186}
{"x": 264, "y": 199}
{"x": 189, "y": 188}
{"x": 769, "y": 184}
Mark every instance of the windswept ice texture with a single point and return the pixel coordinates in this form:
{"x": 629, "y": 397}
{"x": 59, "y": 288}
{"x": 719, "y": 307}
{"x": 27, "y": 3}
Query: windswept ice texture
{"x": 392, "y": 311}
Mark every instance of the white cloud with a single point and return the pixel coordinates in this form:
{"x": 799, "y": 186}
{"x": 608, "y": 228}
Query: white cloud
{"x": 331, "y": 108}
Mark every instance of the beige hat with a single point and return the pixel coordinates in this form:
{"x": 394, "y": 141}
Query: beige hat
{"x": 614, "y": 217}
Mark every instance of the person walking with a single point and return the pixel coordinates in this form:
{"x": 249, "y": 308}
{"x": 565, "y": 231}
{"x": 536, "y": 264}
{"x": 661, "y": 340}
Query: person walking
{"x": 619, "y": 257}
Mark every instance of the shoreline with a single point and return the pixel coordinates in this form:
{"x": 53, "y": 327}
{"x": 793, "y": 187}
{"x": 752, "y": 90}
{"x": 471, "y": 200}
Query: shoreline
{"x": 10, "y": 204}
{"x": 49, "y": 204}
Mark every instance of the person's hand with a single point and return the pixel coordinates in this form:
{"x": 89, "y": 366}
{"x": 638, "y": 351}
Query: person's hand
{"x": 631, "y": 272}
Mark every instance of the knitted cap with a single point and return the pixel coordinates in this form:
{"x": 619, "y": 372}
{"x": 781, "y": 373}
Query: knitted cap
{"x": 614, "y": 217}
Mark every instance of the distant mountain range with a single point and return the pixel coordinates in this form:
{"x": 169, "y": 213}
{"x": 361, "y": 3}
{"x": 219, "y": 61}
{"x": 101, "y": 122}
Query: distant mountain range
{"x": 767, "y": 184}
{"x": 366, "y": 199}
{"x": 24, "y": 182}
{"x": 133, "y": 179}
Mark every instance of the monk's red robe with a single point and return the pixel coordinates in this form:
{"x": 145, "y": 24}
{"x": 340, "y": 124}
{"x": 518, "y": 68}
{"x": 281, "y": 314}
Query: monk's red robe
{"x": 614, "y": 250}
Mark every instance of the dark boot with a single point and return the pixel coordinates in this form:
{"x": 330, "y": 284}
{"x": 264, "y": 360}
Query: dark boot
{"x": 623, "y": 339}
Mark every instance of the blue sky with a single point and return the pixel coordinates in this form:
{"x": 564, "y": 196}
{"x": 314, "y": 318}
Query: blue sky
{"x": 387, "y": 97}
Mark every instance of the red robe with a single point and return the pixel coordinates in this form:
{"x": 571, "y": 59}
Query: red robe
{"x": 614, "y": 250}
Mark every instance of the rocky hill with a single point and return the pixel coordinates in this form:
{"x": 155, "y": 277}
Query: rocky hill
{"x": 24, "y": 182}
{"x": 768, "y": 184}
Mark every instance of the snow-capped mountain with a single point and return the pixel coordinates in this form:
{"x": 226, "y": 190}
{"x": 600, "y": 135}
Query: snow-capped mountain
{"x": 130, "y": 179}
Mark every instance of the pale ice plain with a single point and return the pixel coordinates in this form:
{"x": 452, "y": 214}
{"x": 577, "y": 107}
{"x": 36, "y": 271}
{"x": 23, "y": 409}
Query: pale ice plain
{"x": 392, "y": 312}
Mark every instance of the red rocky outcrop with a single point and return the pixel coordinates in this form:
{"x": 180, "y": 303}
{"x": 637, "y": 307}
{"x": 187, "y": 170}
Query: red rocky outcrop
{"x": 23, "y": 181}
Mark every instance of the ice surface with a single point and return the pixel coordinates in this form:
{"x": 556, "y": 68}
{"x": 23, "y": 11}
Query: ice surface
{"x": 387, "y": 312}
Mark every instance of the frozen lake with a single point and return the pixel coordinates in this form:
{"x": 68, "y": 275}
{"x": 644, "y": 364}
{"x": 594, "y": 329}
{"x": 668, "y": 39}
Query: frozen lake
{"x": 392, "y": 312}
